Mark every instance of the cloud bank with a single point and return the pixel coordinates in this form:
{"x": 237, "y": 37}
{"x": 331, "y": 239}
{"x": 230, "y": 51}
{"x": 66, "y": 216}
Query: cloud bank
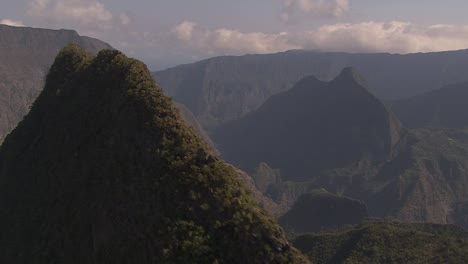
{"x": 11, "y": 22}
{"x": 83, "y": 14}
{"x": 392, "y": 37}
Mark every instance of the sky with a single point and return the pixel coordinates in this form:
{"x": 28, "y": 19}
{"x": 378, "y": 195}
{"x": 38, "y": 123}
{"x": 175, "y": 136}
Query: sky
{"x": 165, "y": 33}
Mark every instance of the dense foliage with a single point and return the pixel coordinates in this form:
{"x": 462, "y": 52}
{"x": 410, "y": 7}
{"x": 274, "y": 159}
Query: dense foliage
{"x": 383, "y": 242}
{"x": 102, "y": 170}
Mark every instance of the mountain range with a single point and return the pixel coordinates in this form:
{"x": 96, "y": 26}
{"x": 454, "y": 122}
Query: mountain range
{"x": 336, "y": 135}
{"x": 106, "y": 169}
{"x": 222, "y": 89}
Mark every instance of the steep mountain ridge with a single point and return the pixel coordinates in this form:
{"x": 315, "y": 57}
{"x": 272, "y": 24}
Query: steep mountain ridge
{"x": 313, "y": 127}
{"x": 25, "y": 57}
{"x": 102, "y": 170}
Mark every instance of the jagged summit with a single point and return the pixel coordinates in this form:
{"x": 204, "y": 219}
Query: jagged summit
{"x": 103, "y": 170}
{"x": 351, "y": 75}
{"x": 315, "y": 126}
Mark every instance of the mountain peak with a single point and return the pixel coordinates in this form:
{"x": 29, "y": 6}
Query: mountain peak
{"x": 103, "y": 161}
{"x": 351, "y": 74}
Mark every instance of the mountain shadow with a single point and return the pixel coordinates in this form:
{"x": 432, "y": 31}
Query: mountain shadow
{"x": 313, "y": 127}
{"x": 321, "y": 210}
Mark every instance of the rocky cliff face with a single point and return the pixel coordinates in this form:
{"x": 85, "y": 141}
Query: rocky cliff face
{"x": 25, "y": 57}
{"x": 102, "y": 170}
{"x": 223, "y": 89}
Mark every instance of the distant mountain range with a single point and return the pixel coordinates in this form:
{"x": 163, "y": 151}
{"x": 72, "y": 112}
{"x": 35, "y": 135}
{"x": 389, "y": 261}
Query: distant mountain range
{"x": 25, "y": 57}
{"x": 103, "y": 170}
{"x": 340, "y": 137}
{"x": 222, "y": 89}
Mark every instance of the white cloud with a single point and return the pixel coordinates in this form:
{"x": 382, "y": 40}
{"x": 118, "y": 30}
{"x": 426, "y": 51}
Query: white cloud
{"x": 256, "y": 42}
{"x": 393, "y": 37}
{"x": 74, "y": 13}
{"x": 228, "y": 41}
{"x": 11, "y": 22}
{"x": 184, "y": 30}
{"x": 322, "y": 8}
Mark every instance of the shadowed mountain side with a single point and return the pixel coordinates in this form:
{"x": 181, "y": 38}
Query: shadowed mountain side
{"x": 443, "y": 108}
{"x": 338, "y": 136}
{"x": 103, "y": 170}
{"x": 222, "y": 89}
{"x": 25, "y": 57}
{"x": 321, "y": 210}
{"x": 313, "y": 127}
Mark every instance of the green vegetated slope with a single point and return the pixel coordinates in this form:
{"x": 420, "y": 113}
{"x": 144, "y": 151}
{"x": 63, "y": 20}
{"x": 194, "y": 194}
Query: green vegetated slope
{"x": 103, "y": 170}
{"x": 192, "y": 121}
{"x": 339, "y": 137}
{"x": 427, "y": 181}
{"x": 442, "y": 108}
{"x": 26, "y": 55}
{"x": 388, "y": 243}
{"x": 222, "y": 89}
